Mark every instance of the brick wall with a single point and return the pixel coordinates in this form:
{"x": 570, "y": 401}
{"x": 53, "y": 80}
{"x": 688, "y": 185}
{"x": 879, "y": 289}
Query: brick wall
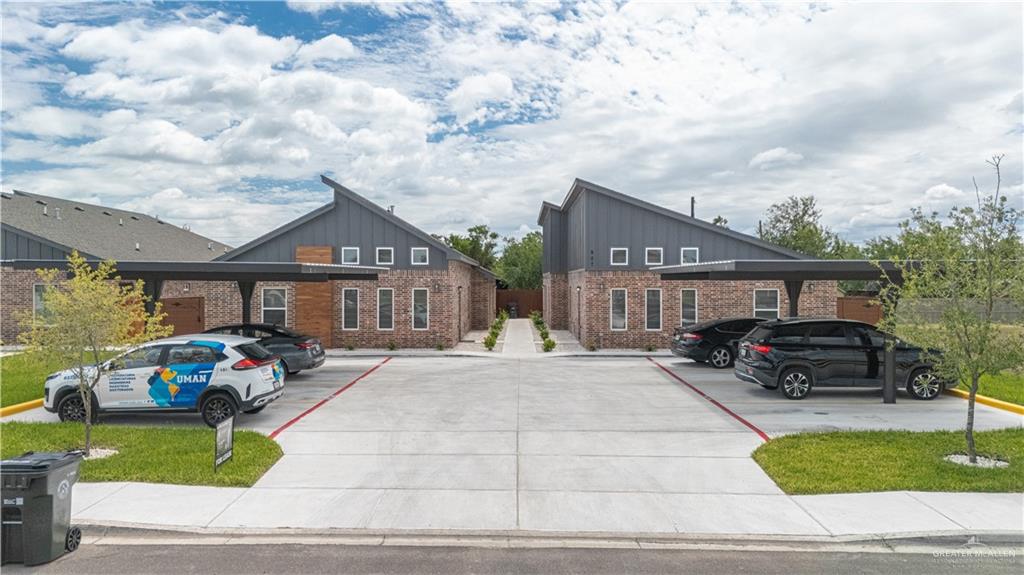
{"x": 556, "y": 301}
{"x": 483, "y": 299}
{"x": 462, "y": 299}
{"x": 222, "y": 302}
{"x": 16, "y": 295}
{"x": 715, "y": 299}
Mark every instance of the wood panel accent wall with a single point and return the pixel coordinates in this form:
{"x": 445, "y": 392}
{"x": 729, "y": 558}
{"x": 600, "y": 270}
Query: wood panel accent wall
{"x": 314, "y": 301}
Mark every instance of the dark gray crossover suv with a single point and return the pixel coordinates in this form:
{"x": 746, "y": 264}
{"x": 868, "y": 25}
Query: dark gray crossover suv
{"x": 297, "y": 351}
{"x": 797, "y": 355}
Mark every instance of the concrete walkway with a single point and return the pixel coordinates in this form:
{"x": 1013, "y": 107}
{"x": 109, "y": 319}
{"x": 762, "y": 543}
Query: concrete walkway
{"x": 519, "y": 338}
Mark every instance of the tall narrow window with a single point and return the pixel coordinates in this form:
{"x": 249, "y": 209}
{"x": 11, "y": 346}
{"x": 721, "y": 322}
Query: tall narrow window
{"x": 38, "y": 306}
{"x": 420, "y": 256}
{"x": 619, "y": 257}
{"x": 652, "y": 310}
{"x": 385, "y": 309}
{"x": 766, "y": 303}
{"x": 420, "y": 308}
{"x": 653, "y": 256}
{"x": 275, "y": 306}
{"x": 350, "y": 255}
{"x": 618, "y": 310}
{"x": 688, "y": 305}
{"x": 350, "y": 308}
{"x": 689, "y": 255}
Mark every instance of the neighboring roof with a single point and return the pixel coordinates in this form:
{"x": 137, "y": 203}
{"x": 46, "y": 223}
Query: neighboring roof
{"x": 102, "y": 232}
{"x": 223, "y": 271}
{"x": 578, "y": 187}
{"x": 792, "y": 270}
{"x": 388, "y": 216}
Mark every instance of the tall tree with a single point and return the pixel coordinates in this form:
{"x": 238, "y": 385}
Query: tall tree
{"x": 796, "y": 224}
{"x": 720, "y": 221}
{"x": 964, "y": 294}
{"x": 479, "y": 243}
{"x": 520, "y": 263}
{"x": 85, "y": 316}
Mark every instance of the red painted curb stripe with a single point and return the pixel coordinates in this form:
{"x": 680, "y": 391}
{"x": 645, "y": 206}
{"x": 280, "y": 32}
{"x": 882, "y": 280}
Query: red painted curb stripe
{"x": 296, "y": 419}
{"x": 754, "y": 428}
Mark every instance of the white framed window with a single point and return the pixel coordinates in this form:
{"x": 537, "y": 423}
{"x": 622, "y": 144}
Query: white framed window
{"x": 689, "y": 255}
{"x": 38, "y": 305}
{"x": 619, "y": 257}
{"x": 350, "y": 255}
{"x": 350, "y": 309}
{"x": 274, "y": 305}
{"x": 654, "y": 256}
{"x": 652, "y": 309}
{"x": 618, "y": 312}
{"x": 385, "y": 256}
{"x": 766, "y": 303}
{"x": 385, "y": 309}
{"x": 420, "y": 256}
{"x": 420, "y": 309}
{"x": 688, "y": 306}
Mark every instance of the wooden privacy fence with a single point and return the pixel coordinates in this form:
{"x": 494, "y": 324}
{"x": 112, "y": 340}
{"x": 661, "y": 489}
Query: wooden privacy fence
{"x": 860, "y": 308}
{"x": 526, "y": 300}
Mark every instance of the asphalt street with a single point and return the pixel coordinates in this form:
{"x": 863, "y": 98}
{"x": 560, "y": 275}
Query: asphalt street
{"x": 284, "y": 558}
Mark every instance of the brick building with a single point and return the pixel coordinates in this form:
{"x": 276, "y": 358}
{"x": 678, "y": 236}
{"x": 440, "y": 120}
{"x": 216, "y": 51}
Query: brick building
{"x": 601, "y": 250}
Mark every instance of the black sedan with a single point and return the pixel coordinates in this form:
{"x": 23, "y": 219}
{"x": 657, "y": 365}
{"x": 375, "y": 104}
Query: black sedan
{"x": 297, "y": 351}
{"x": 713, "y": 341}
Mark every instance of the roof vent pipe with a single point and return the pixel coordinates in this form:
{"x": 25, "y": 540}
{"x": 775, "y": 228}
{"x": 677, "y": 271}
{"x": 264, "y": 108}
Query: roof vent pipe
{"x": 693, "y": 202}
{"x": 391, "y": 209}
{"x": 120, "y": 221}
{"x": 137, "y": 246}
{"x": 209, "y": 245}
{"x": 56, "y": 212}
{"x": 45, "y": 213}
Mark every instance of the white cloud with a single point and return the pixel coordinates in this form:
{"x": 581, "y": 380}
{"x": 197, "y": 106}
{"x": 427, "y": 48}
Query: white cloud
{"x": 943, "y": 192}
{"x": 775, "y": 158}
{"x": 466, "y": 99}
{"x": 330, "y": 47}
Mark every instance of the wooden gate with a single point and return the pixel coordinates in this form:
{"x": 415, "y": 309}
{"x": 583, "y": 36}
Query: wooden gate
{"x": 186, "y": 314}
{"x": 860, "y": 308}
{"x": 526, "y": 300}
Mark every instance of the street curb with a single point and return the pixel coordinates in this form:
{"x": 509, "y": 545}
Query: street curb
{"x": 989, "y": 401}
{"x": 116, "y": 533}
{"x": 19, "y": 407}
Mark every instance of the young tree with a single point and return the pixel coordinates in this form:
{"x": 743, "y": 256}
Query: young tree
{"x": 520, "y": 263}
{"x": 963, "y": 293}
{"x": 85, "y": 316}
{"x": 479, "y": 244}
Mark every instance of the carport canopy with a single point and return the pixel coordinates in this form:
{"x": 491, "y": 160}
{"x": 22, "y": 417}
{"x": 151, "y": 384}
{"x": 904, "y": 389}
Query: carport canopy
{"x": 793, "y": 273}
{"x": 245, "y": 274}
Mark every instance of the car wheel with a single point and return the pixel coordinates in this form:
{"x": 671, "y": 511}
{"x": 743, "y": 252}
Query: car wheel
{"x": 72, "y": 408}
{"x": 720, "y": 357}
{"x": 796, "y": 383}
{"x": 216, "y": 408}
{"x": 924, "y": 385}
{"x": 73, "y": 539}
{"x": 255, "y": 410}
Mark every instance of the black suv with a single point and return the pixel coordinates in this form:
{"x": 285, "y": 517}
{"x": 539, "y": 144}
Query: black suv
{"x": 712, "y": 341}
{"x": 798, "y": 354}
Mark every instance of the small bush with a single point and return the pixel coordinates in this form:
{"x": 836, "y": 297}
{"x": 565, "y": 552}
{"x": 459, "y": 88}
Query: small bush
{"x": 489, "y": 342}
{"x": 549, "y": 344}
{"x": 440, "y": 347}
{"x": 350, "y": 347}
{"x": 392, "y": 346}
{"x": 650, "y": 348}
{"x": 503, "y": 316}
{"x": 592, "y": 347}
{"x": 544, "y": 333}
{"x": 536, "y": 316}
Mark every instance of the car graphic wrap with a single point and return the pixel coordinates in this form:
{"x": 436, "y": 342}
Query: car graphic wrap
{"x": 216, "y": 345}
{"x": 180, "y": 385}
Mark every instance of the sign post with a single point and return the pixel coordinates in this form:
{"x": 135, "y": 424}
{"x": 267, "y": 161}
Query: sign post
{"x": 225, "y": 443}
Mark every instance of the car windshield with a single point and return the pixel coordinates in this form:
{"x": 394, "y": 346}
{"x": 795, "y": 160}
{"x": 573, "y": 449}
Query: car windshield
{"x": 759, "y": 332}
{"x": 254, "y": 351}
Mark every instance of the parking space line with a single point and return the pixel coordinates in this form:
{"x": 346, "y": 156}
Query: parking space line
{"x": 296, "y": 419}
{"x": 733, "y": 414}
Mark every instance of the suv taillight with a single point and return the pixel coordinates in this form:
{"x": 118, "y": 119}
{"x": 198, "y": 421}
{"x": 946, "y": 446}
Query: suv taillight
{"x": 761, "y": 348}
{"x": 248, "y": 363}
{"x": 305, "y": 345}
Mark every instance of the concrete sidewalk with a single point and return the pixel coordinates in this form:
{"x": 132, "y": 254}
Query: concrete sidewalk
{"x": 812, "y": 517}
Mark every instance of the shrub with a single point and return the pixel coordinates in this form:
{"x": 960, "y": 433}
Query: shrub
{"x": 650, "y": 348}
{"x": 592, "y": 347}
{"x": 549, "y": 344}
{"x": 440, "y": 347}
{"x": 489, "y": 341}
{"x": 535, "y": 316}
{"x": 544, "y": 333}
{"x": 392, "y": 346}
{"x": 503, "y": 316}
{"x": 350, "y": 347}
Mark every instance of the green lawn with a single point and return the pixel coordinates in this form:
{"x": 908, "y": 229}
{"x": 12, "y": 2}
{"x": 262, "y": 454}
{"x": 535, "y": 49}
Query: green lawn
{"x": 21, "y": 378}
{"x": 858, "y": 461}
{"x": 1007, "y": 386}
{"x": 182, "y": 455}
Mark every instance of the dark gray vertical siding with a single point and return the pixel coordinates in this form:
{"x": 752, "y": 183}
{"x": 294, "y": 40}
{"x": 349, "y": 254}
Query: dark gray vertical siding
{"x": 348, "y": 224}
{"x": 576, "y": 241}
{"x": 554, "y": 242}
{"x": 16, "y": 246}
{"x": 610, "y": 222}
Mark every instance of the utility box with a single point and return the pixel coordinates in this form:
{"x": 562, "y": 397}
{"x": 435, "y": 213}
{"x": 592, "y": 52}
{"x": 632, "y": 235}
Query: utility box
{"x": 36, "y": 514}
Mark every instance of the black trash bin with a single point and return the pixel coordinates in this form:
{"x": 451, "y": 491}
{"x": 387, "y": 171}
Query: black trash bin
{"x": 36, "y": 509}
{"x": 513, "y": 310}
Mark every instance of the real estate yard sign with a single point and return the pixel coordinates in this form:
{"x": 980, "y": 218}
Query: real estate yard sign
{"x": 225, "y": 442}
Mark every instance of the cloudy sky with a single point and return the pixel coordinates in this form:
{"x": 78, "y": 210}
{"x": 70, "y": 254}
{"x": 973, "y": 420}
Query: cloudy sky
{"x": 223, "y": 115}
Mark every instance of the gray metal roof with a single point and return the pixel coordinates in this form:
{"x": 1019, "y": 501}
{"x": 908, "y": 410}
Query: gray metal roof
{"x": 785, "y": 270}
{"x": 102, "y": 232}
{"x": 222, "y": 271}
{"x": 579, "y": 186}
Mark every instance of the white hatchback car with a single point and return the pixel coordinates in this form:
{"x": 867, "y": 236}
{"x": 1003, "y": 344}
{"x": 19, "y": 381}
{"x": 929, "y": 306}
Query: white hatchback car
{"x": 217, "y": 375}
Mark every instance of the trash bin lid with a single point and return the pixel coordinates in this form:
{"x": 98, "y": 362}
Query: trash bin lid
{"x": 33, "y": 462}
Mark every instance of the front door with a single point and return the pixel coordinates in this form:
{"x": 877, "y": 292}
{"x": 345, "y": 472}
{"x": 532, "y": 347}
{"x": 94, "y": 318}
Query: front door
{"x": 126, "y": 385}
{"x": 186, "y": 314}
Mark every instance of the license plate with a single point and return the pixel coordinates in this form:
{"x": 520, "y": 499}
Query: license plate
{"x": 317, "y": 348}
{"x": 267, "y": 373}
